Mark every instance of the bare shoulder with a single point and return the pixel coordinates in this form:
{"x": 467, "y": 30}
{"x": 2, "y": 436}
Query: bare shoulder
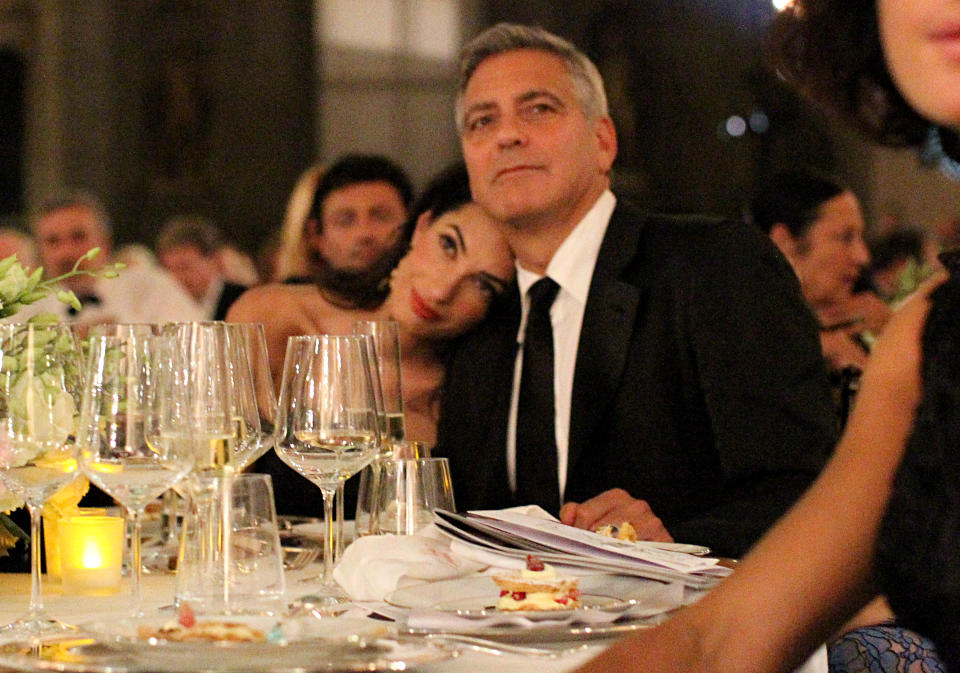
{"x": 268, "y": 302}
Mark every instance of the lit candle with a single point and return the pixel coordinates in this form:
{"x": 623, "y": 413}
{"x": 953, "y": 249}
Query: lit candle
{"x": 51, "y": 538}
{"x": 91, "y": 554}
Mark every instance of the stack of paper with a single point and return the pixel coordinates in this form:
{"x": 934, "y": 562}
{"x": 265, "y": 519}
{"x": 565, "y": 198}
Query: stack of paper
{"x": 513, "y": 534}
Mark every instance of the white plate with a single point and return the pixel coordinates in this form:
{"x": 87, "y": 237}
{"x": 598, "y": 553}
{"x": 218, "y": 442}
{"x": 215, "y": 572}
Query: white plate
{"x": 278, "y": 631}
{"x": 638, "y": 591}
{"x": 81, "y": 654}
{"x": 480, "y": 607}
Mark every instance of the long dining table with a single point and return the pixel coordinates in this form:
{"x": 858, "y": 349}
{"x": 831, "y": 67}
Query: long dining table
{"x": 158, "y": 590}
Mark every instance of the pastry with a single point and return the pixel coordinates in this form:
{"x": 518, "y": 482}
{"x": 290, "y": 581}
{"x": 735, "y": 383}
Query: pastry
{"x": 624, "y": 531}
{"x": 537, "y": 587}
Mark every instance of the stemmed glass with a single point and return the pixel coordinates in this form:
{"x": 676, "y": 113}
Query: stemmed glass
{"x": 327, "y": 424}
{"x": 226, "y": 392}
{"x": 39, "y": 388}
{"x": 383, "y": 340}
{"x": 122, "y": 446}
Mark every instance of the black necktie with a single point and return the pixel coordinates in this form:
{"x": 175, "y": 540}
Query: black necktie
{"x": 536, "y": 444}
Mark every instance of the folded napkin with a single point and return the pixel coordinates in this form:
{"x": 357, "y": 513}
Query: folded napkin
{"x": 375, "y": 565}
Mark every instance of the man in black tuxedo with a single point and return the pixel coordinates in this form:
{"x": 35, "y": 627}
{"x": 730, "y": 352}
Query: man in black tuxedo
{"x": 689, "y": 396}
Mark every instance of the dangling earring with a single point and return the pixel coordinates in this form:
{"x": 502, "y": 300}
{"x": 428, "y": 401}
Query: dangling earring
{"x": 934, "y": 154}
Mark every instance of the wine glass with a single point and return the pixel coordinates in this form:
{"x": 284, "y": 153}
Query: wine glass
{"x": 122, "y": 448}
{"x": 384, "y": 336}
{"x": 225, "y": 391}
{"x": 383, "y": 340}
{"x": 327, "y": 422}
{"x": 209, "y": 407}
{"x": 39, "y": 386}
{"x": 256, "y": 395}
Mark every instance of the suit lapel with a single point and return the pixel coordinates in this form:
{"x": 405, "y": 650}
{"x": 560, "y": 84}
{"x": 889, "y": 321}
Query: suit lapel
{"x": 608, "y": 322}
{"x": 494, "y": 382}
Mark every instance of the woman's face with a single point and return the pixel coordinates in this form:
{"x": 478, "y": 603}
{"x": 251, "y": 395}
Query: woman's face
{"x": 921, "y": 41}
{"x": 828, "y": 259}
{"x": 456, "y": 265}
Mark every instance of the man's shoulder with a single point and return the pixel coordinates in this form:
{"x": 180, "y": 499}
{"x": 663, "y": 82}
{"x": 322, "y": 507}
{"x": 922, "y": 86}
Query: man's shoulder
{"x": 689, "y": 235}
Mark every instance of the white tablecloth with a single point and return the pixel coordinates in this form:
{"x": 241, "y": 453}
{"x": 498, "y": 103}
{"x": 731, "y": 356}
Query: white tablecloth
{"x": 158, "y": 591}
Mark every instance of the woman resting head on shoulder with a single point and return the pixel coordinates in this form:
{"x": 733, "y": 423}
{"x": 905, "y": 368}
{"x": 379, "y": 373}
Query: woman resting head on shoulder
{"x": 892, "y": 68}
{"x": 457, "y": 264}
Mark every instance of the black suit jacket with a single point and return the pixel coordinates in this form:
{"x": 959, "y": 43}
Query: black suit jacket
{"x": 699, "y": 385}
{"x": 229, "y": 294}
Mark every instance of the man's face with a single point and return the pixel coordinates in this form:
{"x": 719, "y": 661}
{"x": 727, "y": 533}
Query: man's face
{"x": 191, "y": 268}
{"x": 531, "y": 152}
{"x": 65, "y": 235}
{"x": 361, "y": 222}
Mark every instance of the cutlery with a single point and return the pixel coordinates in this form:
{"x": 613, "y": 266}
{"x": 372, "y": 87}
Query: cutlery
{"x": 496, "y": 648}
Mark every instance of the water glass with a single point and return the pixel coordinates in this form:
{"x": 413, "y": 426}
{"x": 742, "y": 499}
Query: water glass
{"x": 410, "y": 490}
{"x": 242, "y": 570}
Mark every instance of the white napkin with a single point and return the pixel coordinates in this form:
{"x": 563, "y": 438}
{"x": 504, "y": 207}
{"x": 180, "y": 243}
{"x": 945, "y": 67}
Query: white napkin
{"x": 375, "y": 565}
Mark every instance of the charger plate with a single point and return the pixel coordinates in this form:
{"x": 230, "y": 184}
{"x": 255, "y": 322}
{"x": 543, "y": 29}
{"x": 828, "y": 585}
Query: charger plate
{"x": 102, "y": 653}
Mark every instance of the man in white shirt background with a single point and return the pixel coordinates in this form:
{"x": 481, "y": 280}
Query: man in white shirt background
{"x": 66, "y": 227}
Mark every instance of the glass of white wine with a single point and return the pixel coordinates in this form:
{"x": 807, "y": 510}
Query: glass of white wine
{"x": 225, "y": 373}
{"x": 327, "y": 422}
{"x": 383, "y": 339}
{"x": 40, "y": 385}
{"x": 384, "y": 335}
{"x": 122, "y": 448}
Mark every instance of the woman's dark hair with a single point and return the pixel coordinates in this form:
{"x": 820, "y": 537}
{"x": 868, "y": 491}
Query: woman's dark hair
{"x": 830, "y": 50}
{"x": 792, "y": 198}
{"x": 448, "y": 190}
{"x": 916, "y": 562}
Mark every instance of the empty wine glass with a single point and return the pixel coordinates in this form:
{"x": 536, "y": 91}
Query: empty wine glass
{"x": 327, "y": 424}
{"x": 39, "y": 388}
{"x": 123, "y": 448}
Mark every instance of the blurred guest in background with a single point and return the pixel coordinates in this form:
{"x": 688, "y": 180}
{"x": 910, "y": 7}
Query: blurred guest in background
{"x": 818, "y": 225}
{"x": 15, "y": 242}
{"x": 66, "y": 227}
{"x": 188, "y": 248}
{"x": 353, "y": 233}
{"x": 292, "y": 258}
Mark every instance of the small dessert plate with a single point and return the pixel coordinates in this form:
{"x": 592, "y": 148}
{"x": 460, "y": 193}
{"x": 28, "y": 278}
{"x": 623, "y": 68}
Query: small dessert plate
{"x": 480, "y": 607}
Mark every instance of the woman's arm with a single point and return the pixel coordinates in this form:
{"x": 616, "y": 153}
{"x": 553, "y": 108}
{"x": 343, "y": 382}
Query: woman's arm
{"x": 811, "y": 571}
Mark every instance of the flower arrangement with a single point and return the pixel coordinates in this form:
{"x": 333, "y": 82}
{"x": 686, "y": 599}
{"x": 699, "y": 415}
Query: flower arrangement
{"x": 19, "y": 287}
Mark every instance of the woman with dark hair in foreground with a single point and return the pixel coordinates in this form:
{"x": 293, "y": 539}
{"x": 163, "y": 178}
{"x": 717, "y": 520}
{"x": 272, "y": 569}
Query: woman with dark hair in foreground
{"x": 892, "y": 67}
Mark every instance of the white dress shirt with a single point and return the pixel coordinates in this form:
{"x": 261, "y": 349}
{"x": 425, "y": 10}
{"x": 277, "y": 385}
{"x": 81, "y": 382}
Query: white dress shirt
{"x": 571, "y": 267}
{"x": 137, "y": 294}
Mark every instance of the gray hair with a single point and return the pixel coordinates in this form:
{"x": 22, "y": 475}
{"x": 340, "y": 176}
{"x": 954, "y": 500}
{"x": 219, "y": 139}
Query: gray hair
{"x": 76, "y": 198}
{"x": 506, "y": 37}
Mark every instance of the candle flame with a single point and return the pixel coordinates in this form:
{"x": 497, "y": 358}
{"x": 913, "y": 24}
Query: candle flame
{"x": 92, "y": 555}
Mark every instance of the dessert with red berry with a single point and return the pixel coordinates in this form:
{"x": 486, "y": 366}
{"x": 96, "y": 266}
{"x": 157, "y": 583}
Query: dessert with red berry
{"x": 537, "y": 587}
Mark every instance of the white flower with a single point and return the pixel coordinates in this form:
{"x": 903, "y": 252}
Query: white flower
{"x": 13, "y": 282}
{"x": 44, "y": 413}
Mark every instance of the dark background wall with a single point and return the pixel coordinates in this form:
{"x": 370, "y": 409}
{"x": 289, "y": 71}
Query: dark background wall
{"x": 677, "y": 72}
{"x": 212, "y": 106}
